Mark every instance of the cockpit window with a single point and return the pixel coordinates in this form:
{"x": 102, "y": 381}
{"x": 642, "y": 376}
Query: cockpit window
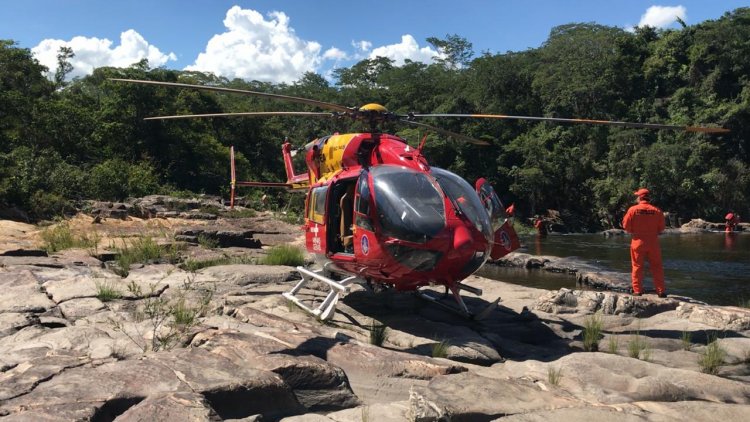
{"x": 409, "y": 204}
{"x": 463, "y": 196}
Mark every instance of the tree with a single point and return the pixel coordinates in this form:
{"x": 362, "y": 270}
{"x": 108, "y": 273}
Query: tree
{"x": 64, "y": 67}
{"x": 455, "y": 51}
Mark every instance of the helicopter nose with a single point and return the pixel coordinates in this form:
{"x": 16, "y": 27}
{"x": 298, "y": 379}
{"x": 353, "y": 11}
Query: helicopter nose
{"x": 461, "y": 238}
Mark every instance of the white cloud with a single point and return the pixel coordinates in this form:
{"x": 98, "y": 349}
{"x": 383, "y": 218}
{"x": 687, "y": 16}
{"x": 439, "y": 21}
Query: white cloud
{"x": 406, "y": 49}
{"x": 334, "y": 53}
{"x": 91, "y": 53}
{"x": 662, "y": 16}
{"x": 256, "y": 48}
{"x": 362, "y": 46}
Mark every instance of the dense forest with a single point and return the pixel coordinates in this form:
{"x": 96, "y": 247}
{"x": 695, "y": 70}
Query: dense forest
{"x": 64, "y": 141}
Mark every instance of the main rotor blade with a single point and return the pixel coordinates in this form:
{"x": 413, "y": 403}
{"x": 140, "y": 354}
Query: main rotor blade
{"x": 447, "y": 132}
{"x": 246, "y": 114}
{"x": 315, "y": 103}
{"x": 702, "y": 129}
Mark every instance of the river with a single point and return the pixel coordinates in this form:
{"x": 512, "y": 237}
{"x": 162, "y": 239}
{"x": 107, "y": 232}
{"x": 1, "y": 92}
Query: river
{"x": 710, "y": 267}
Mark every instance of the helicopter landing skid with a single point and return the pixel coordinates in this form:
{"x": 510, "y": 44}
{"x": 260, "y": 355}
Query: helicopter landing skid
{"x": 462, "y": 309}
{"x": 327, "y": 307}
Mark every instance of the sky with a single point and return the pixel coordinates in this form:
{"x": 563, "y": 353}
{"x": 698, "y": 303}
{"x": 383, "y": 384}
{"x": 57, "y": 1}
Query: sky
{"x": 279, "y": 40}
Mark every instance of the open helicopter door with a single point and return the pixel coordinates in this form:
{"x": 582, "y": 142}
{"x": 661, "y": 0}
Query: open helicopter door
{"x": 505, "y": 239}
{"x": 315, "y": 224}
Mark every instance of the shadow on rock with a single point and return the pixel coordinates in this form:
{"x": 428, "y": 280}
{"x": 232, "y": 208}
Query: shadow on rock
{"x": 502, "y": 334}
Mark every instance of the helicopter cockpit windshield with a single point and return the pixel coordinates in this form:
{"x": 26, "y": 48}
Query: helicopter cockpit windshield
{"x": 465, "y": 198}
{"x": 410, "y": 206}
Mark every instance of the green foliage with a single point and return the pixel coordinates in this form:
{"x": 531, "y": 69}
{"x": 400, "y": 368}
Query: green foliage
{"x": 60, "y": 237}
{"x": 139, "y": 250}
{"x": 712, "y": 357}
{"x": 284, "y": 255}
{"x": 116, "y": 180}
{"x": 592, "y": 332}
{"x": 86, "y": 139}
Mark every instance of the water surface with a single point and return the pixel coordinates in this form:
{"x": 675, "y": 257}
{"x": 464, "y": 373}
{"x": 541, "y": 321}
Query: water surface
{"x": 711, "y": 267}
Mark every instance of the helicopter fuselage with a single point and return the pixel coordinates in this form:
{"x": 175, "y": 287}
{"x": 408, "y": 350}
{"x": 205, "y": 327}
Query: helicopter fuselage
{"x": 377, "y": 209}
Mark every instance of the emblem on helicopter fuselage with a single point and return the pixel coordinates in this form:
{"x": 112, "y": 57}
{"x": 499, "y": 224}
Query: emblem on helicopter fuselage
{"x": 365, "y": 244}
{"x": 505, "y": 240}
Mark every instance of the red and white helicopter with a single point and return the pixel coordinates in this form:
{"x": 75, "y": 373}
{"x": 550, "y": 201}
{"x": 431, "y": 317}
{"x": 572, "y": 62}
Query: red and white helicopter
{"x": 378, "y": 214}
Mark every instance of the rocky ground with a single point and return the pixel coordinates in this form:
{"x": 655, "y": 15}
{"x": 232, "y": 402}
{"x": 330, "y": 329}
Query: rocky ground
{"x": 80, "y": 342}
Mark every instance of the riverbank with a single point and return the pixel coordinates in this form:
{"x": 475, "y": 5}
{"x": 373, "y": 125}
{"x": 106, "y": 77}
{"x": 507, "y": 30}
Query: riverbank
{"x": 79, "y": 341}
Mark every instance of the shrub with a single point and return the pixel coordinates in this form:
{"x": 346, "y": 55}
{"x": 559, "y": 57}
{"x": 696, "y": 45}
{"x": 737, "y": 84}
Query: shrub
{"x": 116, "y": 179}
{"x": 284, "y": 255}
{"x": 48, "y": 205}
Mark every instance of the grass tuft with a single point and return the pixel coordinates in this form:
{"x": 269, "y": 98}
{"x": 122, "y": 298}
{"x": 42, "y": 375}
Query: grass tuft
{"x": 440, "y": 350}
{"x": 638, "y": 347}
{"x": 554, "y": 375}
{"x": 378, "y": 334}
{"x": 284, "y": 255}
{"x": 193, "y": 265}
{"x": 687, "y": 343}
{"x": 712, "y": 357}
{"x": 592, "y": 332}
{"x": 183, "y": 315}
{"x": 60, "y": 237}
{"x": 107, "y": 292}
{"x": 207, "y": 241}
{"x": 143, "y": 250}
{"x": 613, "y": 344}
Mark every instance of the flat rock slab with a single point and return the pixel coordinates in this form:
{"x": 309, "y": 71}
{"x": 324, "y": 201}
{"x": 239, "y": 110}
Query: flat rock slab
{"x": 15, "y": 235}
{"x": 26, "y": 376}
{"x": 317, "y": 384}
{"x": 11, "y": 322}
{"x": 79, "y": 308}
{"x": 242, "y": 275}
{"x": 468, "y": 395}
{"x": 182, "y": 406}
{"x": 609, "y": 379}
{"x": 21, "y": 292}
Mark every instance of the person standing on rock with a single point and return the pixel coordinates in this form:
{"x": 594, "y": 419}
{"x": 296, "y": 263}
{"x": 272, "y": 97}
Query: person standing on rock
{"x": 645, "y": 222}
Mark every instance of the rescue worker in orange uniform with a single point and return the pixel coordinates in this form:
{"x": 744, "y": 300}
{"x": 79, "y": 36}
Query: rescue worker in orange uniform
{"x": 732, "y": 220}
{"x": 644, "y": 222}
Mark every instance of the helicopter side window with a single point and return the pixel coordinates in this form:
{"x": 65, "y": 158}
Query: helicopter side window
{"x": 362, "y": 203}
{"x": 318, "y": 204}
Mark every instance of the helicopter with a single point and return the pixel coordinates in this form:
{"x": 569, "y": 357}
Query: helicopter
{"x": 378, "y": 214}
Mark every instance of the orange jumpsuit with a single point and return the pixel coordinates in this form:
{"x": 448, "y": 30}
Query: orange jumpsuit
{"x": 644, "y": 222}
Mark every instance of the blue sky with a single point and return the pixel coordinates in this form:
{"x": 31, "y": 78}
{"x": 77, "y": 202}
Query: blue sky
{"x": 279, "y": 40}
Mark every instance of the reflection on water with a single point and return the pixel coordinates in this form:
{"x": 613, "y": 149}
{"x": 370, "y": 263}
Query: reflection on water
{"x": 712, "y": 267}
